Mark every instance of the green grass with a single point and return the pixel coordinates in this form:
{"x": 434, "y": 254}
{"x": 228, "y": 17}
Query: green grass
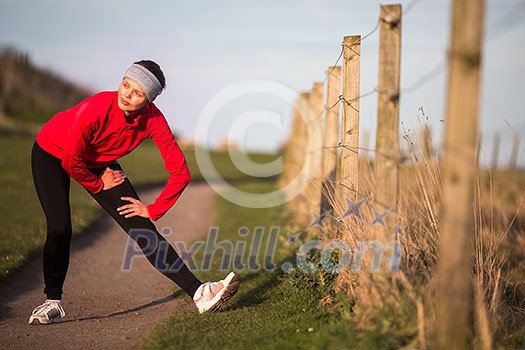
{"x": 147, "y": 156}
{"x": 273, "y": 309}
{"x": 270, "y": 310}
{"x": 23, "y": 226}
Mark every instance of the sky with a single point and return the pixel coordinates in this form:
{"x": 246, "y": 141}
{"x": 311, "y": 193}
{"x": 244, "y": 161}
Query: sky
{"x": 237, "y": 65}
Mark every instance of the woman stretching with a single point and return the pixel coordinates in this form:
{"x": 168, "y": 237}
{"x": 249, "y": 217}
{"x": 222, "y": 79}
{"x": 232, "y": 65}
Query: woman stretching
{"x": 84, "y": 143}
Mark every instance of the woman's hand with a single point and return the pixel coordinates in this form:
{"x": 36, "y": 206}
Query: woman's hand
{"x": 135, "y": 208}
{"x": 112, "y": 178}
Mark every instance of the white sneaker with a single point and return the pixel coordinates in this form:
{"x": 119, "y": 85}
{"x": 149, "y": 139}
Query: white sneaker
{"x": 211, "y": 295}
{"x": 49, "y": 312}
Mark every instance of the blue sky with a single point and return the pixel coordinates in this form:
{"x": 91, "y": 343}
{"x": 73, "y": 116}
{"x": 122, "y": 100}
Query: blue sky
{"x": 205, "y": 46}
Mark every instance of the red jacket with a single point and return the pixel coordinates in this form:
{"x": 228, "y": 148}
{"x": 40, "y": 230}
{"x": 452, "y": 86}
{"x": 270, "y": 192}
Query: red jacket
{"x": 94, "y": 133}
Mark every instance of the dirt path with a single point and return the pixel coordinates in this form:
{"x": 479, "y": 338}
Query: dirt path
{"x": 106, "y": 308}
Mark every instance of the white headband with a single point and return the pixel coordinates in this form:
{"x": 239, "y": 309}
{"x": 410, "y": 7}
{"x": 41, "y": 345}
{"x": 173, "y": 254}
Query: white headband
{"x": 146, "y": 80}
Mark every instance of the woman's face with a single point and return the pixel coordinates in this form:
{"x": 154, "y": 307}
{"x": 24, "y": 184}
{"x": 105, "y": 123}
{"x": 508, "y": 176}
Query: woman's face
{"x": 131, "y": 98}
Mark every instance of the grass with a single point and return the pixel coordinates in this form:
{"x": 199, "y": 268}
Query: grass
{"x": 147, "y": 156}
{"x": 23, "y": 228}
{"x": 316, "y": 310}
{"x": 398, "y": 309}
{"x": 277, "y": 309}
{"x": 271, "y": 310}
{"x": 22, "y": 232}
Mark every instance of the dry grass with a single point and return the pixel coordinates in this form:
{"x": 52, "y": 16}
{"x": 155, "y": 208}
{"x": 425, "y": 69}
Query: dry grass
{"x": 402, "y": 304}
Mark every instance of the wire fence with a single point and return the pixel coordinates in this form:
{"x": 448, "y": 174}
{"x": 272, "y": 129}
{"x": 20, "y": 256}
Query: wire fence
{"x": 515, "y": 14}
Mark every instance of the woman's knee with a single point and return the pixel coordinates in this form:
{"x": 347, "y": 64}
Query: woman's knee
{"x": 59, "y": 230}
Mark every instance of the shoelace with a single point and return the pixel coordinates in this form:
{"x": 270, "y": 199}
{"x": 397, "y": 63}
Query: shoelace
{"x": 206, "y": 290}
{"x": 48, "y": 307}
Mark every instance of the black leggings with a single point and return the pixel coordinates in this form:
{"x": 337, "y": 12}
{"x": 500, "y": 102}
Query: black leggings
{"x": 52, "y": 187}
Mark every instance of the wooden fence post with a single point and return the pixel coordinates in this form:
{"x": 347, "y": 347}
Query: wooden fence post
{"x": 454, "y": 274}
{"x": 331, "y": 137}
{"x": 290, "y": 153}
{"x": 348, "y": 174}
{"x": 297, "y": 147}
{"x": 387, "y": 152}
{"x": 312, "y": 192}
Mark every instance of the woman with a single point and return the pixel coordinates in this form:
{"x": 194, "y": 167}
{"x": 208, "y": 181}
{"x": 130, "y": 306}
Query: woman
{"x": 84, "y": 143}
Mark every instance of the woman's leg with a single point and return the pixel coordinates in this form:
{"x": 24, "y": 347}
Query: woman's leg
{"x": 52, "y": 187}
{"x": 143, "y": 231}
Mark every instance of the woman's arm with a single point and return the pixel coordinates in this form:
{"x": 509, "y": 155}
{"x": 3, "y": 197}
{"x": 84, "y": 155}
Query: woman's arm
{"x": 175, "y": 164}
{"x": 77, "y": 139}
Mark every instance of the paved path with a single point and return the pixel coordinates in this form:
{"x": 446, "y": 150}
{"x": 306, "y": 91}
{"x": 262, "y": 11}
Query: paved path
{"x": 106, "y": 308}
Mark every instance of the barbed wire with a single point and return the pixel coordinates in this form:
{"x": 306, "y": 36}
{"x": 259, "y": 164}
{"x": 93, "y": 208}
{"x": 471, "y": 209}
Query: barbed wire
{"x": 338, "y": 58}
{"x": 431, "y": 74}
{"x": 369, "y": 34}
{"x": 391, "y": 21}
{"x": 410, "y": 6}
{"x": 366, "y": 36}
{"x": 343, "y": 49}
{"x": 434, "y": 72}
{"x": 400, "y": 159}
{"x": 394, "y": 94}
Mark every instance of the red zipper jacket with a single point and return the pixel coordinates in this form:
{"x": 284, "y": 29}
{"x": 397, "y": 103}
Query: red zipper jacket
{"x": 94, "y": 133}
